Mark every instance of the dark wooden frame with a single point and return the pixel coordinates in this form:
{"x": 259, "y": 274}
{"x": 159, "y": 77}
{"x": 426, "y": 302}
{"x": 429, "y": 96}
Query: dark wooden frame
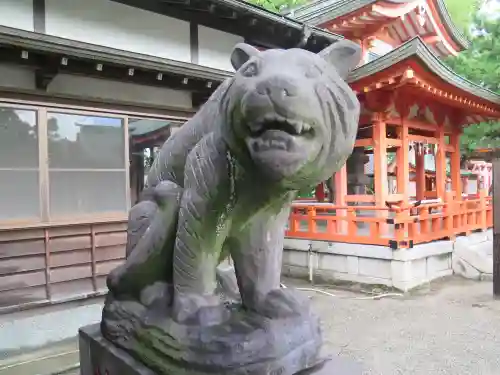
{"x": 46, "y": 262}
{"x": 256, "y": 25}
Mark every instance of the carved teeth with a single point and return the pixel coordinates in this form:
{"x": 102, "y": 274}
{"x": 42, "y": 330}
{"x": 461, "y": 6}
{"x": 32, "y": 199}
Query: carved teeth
{"x": 269, "y": 144}
{"x": 277, "y": 122}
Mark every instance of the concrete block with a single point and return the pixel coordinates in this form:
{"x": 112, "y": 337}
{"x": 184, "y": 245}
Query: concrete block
{"x": 332, "y": 262}
{"x": 476, "y": 256}
{"x": 477, "y": 237}
{"x": 419, "y": 269}
{"x": 423, "y": 250}
{"x": 438, "y": 263}
{"x": 414, "y": 271}
{"x": 320, "y": 246}
{"x": 372, "y": 267}
{"x": 464, "y": 269}
{"x": 361, "y": 279}
{"x": 294, "y": 244}
{"x": 365, "y": 251}
{"x": 295, "y": 258}
{"x": 294, "y": 271}
{"x": 352, "y": 265}
{"x": 401, "y": 271}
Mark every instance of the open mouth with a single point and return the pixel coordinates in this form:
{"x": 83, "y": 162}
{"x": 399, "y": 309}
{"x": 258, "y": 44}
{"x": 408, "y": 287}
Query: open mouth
{"x": 275, "y": 133}
{"x": 275, "y": 122}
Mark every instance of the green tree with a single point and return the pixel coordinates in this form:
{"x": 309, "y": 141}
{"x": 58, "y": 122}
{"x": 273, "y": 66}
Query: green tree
{"x": 480, "y": 64}
{"x": 462, "y": 11}
{"x": 278, "y": 5}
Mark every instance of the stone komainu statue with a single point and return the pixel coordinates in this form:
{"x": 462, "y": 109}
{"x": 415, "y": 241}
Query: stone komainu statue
{"x": 223, "y": 185}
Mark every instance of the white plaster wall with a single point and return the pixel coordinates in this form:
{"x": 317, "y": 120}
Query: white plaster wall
{"x": 380, "y": 48}
{"x": 215, "y": 48}
{"x": 119, "y": 91}
{"x": 119, "y": 26}
{"x": 17, "y": 14}
{"x": 16, "y": 77}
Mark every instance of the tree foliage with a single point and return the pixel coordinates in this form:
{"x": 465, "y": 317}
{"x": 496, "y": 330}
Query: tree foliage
{"x": 278, "y": 5}
{"x": 481, "y": 64}
{"x": 462, "y": 11}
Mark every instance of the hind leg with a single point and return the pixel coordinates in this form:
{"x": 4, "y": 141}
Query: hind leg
{"x": 150, "y": 243}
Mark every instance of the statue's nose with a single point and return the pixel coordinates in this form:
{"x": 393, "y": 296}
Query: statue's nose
{"x": 277, "y": 88}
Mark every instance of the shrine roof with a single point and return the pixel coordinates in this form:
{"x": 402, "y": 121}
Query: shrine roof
{"x": 255, "y": 24}
{"x": 45, "y": 54}
{"x": 415, "y": 65}
{"x": 348, "y": 16}
{"x": 148, "y": 130}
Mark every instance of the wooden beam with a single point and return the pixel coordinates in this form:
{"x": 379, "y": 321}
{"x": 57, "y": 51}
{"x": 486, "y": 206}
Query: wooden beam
{"x": 363, "y": 142}
{"x": 43, "y": 78}
{"x": 456, "y": 178}
{"x": 440, "y": 163}
{"x": 420, "y": 175}
{"x": 402, "y": 157}
{"x": 340, "y": 196}
{"x": 496, "y": 227}
{"x": 431, "y": 39}
{"x": 423, "y": 139}
{"x": 380, "y": 161}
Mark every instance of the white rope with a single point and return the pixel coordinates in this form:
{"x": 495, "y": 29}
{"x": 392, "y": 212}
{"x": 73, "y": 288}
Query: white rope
{"x": 374, "y": 297}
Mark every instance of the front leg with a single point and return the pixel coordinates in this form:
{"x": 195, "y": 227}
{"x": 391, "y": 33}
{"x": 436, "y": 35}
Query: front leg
{"x": 257, "y": 251}
{"x": 202, "y": 229}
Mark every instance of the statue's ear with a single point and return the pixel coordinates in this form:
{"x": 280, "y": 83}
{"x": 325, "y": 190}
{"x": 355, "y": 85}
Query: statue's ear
{"x": 344, "y": 55}
{"x": 242, "y": 52}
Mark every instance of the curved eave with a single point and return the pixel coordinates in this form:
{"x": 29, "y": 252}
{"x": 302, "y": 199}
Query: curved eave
{"x": 294, "y": 23}
{"x": 255, "y": 24}
{"x": 416, "y": 48}
{"x": 323, "y": 11}
{"x": 457, "y": 36}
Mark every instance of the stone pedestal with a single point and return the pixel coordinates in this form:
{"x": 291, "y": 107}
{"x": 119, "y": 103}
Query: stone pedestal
{"x": 99, "y": 356}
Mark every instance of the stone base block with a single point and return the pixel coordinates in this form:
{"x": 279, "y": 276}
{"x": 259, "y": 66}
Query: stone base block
{"x": 473, "y": 256}
{"x": 403, "y": 269}
{"x": 99, "y": 356}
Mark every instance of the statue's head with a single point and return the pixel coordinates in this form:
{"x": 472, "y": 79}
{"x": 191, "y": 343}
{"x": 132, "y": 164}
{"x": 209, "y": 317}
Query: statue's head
{"x": 291, "y": 112}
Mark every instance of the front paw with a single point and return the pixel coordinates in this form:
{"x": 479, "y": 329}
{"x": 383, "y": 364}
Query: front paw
{"x": 192, "y": 309}
{"x": 114, "y": 278}
{"x": 283, "y": 303}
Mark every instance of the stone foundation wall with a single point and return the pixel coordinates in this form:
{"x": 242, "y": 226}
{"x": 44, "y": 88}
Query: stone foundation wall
{"x": 403, "y": 269}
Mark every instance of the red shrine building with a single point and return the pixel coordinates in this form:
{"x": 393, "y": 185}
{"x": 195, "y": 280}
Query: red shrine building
{"x": 90, "y": 90}
{"x": 403, "y": 190}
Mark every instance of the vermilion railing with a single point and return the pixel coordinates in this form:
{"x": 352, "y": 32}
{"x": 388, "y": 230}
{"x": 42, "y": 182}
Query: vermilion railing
{"x": 394, "y": 227}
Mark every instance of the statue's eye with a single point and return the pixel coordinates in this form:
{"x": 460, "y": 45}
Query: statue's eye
{"x": 250, "y": 70}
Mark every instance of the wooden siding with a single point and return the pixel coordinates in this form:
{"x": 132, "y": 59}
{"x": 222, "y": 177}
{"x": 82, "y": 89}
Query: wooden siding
{"x": 58, "y": 262}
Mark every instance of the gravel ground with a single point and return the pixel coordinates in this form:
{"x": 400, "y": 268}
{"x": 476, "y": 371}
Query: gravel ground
{"x": 449, "y": 327}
